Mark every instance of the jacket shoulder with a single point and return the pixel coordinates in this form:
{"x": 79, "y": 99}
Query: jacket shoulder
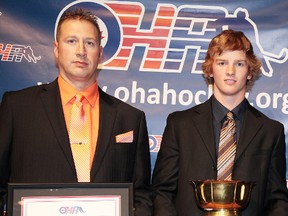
{"x": 35, "y": 88}
{"x": 263, "y": 117}
{"x": 193, "y": 111}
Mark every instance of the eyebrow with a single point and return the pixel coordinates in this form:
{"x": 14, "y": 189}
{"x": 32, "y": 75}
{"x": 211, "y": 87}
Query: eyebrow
{"x": 220, "y": 59}
{"x": 85, "y": 38}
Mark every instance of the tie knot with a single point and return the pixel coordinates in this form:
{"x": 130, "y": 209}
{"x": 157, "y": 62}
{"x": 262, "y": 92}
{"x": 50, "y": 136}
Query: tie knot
{"x": 230, "y": 116}
{"x": 79, "y": 97}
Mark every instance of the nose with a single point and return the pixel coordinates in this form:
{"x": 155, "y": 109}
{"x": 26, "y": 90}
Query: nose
{"x": 231, "y": 69}
{"x": 81, "y": 50}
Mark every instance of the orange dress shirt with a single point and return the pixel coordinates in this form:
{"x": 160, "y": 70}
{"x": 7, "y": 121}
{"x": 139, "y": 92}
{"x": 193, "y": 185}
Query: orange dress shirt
{"x": 91, "y": 94}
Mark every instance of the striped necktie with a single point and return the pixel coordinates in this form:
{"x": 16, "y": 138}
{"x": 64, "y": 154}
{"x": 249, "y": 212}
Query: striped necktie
{"x": 227, "y": 148}
{"x": 80, "y": 138}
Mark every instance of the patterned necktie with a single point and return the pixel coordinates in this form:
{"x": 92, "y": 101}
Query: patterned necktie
{"x": 80, "y": 138}
{"x": 227, "y": 148}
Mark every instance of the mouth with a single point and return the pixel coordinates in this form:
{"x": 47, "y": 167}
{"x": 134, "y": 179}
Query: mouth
{"x": 80, "y": 63}
{"x": 230, "y": 81}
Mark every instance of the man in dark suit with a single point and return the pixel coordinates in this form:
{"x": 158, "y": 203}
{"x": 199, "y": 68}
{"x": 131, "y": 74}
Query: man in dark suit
{"x": 34, "y": 122}
{"x": 190, "y": 142}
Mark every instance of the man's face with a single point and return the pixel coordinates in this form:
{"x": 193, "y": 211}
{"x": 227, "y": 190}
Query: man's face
{"x": 78, "y": 52}
{"x": 230, "y": 73}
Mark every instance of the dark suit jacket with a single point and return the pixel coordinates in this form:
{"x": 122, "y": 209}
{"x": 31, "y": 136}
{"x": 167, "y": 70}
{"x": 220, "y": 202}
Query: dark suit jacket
{"x": 34, "y": 142}
{"x": 188, "y": 152}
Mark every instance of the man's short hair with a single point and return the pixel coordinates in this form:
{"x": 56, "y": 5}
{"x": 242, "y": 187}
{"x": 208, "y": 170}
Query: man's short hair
{"x": 78, "y": 14}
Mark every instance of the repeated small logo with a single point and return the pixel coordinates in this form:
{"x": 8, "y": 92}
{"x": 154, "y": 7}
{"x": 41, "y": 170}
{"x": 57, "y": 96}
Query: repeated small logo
{"x": 72, "y": 210}
{"x": 154, "y": 142}
{"x": 16, "y": 53}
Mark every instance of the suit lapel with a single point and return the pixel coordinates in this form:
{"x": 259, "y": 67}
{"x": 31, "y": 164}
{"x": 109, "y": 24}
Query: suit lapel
{"x": 251, "y": 125}
{"x": 204, "y": 118}
{"x": 106, "y": 123}
{"x": 51, "y": 99}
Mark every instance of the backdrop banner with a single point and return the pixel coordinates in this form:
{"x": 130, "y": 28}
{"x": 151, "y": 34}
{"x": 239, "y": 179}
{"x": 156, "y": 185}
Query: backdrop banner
{"x": 153, "y": 51}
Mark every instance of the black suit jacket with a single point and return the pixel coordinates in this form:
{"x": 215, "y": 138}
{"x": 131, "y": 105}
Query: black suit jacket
{"x": 188, "y": 152}
{"x": 34, "y": 142}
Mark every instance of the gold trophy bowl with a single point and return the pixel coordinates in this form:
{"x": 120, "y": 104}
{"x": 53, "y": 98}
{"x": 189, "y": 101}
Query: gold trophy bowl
{"x": 221, "y": 197}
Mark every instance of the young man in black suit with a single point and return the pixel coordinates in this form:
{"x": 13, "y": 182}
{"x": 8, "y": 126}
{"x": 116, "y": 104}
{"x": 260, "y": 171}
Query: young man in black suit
{"x": 191, "y": 138}
{"x": 35, "y": 143}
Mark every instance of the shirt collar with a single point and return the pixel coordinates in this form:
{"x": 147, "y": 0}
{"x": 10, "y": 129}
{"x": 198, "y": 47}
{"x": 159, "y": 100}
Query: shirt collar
{"x": 68, "y": 92}
{"x": 220, "y": 111}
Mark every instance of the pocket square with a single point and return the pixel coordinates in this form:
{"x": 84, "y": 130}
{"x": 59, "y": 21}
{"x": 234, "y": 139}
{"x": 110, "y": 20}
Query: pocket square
{"x": 125, "y": 137}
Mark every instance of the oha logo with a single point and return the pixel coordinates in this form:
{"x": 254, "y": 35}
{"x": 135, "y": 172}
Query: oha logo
{"x": 176, "y": 38}
{"x": 71, "y": 210}
{"x": 154, "y": 142}
{"x": 16, "y": 52}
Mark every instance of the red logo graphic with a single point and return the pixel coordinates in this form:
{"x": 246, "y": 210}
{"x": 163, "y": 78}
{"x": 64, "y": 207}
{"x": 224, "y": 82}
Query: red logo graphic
{"x": 155, "y": 142}
{"x": 15, "y": 52}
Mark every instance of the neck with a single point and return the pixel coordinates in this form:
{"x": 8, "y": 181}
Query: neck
{"x": 230, "y": 102}
{"x": 79, "y": 84}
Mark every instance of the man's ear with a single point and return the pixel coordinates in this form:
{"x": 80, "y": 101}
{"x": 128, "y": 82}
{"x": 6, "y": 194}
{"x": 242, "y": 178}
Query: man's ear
{"x": 56, "y": 49}
{"x": 101, "y": 57}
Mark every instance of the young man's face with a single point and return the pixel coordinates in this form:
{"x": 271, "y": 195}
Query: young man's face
{"x": 230, "y": 73}
{"x": 78, "y": 51}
